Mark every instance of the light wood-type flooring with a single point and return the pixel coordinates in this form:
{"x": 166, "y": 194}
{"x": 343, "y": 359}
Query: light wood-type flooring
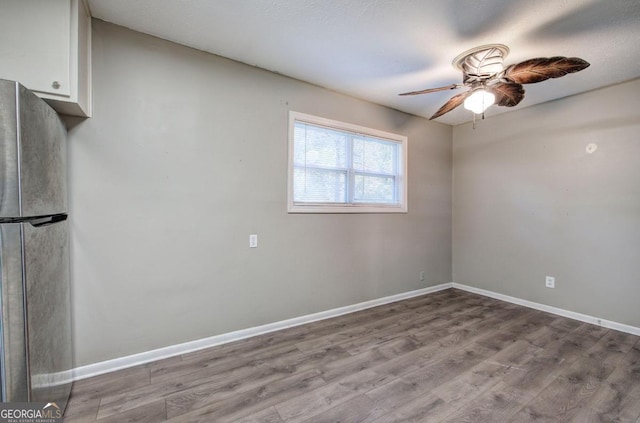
{"x": 450, "y": 356}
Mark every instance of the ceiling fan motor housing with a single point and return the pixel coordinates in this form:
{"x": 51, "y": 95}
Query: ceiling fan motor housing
{"x": 481, "y": 63}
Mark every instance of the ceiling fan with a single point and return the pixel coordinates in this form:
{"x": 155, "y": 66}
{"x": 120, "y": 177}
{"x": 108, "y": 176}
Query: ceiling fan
{"x": 490, "y": 82}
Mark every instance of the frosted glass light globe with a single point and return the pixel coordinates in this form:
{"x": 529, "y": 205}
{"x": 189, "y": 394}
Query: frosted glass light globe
{"x": 479, "y": 101}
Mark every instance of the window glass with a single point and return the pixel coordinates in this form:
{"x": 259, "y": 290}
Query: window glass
{"x": 339, "y": 167}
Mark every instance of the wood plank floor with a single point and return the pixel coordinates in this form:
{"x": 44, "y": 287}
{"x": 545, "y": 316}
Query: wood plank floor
{"x": 449, "y": 356}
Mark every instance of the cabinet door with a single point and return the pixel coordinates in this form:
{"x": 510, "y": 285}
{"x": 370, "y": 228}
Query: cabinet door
{"x": 35, "y": 47}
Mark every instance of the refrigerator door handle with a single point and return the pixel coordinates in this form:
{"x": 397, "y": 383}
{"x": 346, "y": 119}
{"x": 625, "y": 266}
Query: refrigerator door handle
{"x": 37, "y": 222}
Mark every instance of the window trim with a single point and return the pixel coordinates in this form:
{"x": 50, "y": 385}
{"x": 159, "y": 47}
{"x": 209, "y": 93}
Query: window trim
{"x": 401, "y": 207}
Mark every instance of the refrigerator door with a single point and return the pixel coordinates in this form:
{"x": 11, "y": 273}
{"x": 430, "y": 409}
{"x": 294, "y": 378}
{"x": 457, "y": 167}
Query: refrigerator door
{"x": 14, "y": 357}
{"x": 34, "y": 263}
{"x": 46, "y": 262}
{"x": 32, "y": 155}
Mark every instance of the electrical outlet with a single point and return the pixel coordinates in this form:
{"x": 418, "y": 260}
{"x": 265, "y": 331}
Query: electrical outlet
{"x": 253, "y": 241}
{"x": 550, "y": 282}
{"x": 422, "y": 275}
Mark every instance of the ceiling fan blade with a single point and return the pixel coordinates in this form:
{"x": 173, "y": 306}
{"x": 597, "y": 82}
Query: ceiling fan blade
{"x": 433, "y": 90}
{"x": 507, "y": 94}
{"x": 543, "y": 68}
{"x": 453, "y": 102}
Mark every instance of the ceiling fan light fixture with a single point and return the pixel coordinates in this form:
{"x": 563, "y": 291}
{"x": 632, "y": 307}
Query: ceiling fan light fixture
{"x": 479, "y": 101}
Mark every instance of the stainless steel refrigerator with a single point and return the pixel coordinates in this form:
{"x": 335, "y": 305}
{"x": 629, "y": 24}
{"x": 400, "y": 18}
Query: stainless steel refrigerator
{"x": 35, "y": 341}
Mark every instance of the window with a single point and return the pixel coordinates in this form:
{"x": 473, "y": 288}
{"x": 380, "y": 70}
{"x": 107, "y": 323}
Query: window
{"x": 336, "y": 167}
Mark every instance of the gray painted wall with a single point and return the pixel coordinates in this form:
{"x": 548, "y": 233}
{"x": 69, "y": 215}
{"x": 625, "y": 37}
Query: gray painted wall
{"x": 186, "y": 155}
{"x": 529, "y": 201}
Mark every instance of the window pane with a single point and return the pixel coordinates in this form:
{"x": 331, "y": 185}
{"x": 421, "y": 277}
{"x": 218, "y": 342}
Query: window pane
{"x": 374, "y": 189}
{"x": 319, "y": 186}
{"x": 344, "y": 168}
{"x": 374, "y": 155}
{"x": 318, "y": 146}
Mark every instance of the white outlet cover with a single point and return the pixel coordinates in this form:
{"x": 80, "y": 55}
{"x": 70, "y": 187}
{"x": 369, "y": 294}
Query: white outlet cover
{"x": 550, "y": 282}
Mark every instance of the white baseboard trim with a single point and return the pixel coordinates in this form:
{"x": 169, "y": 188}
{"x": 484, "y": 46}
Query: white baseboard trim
{"x": 550, "y": 309}
{"x": 107, "y": 366}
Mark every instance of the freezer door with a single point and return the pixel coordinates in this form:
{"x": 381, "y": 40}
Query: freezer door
{"x": 35, "y": 290}
{"x": 32, "y": 155}
{"x": 9, "y": 188}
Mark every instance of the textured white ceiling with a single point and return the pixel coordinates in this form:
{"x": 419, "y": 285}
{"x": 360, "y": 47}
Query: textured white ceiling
{"x": 375, "y": 49}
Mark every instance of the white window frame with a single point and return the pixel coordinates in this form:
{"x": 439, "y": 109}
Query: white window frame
{"x": 298, "y": 207}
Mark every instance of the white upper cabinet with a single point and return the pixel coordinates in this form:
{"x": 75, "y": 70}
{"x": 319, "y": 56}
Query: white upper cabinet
{"x": 46, "y": 46}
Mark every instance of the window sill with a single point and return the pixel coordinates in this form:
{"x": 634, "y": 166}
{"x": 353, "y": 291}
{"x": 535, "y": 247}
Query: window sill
{"x": 345, "y": 208}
